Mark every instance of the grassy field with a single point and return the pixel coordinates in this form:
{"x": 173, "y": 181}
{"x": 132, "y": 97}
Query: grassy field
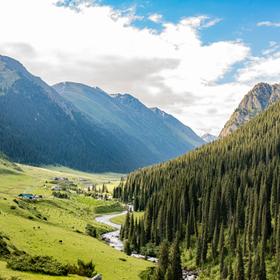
{"x": 121, "y": 219}
{"x": 55, "y": 226}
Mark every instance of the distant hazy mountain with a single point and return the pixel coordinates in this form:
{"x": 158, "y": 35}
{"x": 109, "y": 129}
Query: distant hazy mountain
{"x": 254, "y": 102}
{"x": 208, "y": 138}
{"x": 80, "y": 127}
{"x": 151, "y": 136}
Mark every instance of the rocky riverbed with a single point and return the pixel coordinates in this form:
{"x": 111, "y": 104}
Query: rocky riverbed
{"x": 113, "y": 239}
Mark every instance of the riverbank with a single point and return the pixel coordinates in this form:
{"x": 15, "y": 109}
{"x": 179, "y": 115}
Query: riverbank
{"x": 113, "y": 237}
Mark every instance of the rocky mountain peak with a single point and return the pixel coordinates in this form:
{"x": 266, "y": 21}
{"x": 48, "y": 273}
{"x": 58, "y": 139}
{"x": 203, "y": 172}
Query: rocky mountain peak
{"x": 258, "y": 99}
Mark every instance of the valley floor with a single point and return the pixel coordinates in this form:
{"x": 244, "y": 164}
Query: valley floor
{"x": 56, "y": 227}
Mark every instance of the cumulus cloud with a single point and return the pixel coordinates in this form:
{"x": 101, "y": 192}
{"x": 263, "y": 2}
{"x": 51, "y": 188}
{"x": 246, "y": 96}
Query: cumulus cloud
{"x": 259, "y": 69}
{"x": 98, "y": 45}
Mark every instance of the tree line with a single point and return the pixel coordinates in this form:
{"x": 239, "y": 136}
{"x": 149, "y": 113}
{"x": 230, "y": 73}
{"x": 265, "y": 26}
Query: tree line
{"x": 220, "y": 201}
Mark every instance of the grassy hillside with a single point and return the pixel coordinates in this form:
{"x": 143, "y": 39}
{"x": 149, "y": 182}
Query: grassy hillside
{"x": 56, "y": 227}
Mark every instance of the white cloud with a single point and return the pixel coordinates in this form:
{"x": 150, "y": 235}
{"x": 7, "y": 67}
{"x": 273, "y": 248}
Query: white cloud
{"x": 261, "y": 69}
{"x": 98, "y": 45}
{"x": 268, "y": 24}
{"x": 157, "y": 18}
{"x": 200, "y": 22}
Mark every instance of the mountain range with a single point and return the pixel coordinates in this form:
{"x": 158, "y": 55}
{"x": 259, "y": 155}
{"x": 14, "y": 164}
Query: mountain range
{"x": 208, "y": 138}
{"x": 254, "y": 102}
{"x": 83, "y": 127}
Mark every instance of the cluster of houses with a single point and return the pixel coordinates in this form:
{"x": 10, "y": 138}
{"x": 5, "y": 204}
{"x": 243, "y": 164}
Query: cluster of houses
{"x": 56, "y": 188}
{"x": 60, "y": 179}
{"x": 63, "y": 183}
{"x": 29, "y": 196}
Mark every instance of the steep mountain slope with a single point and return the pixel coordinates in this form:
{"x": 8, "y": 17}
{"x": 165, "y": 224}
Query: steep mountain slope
{"x": 82, "y": 127}
{"x": 254, "y": 102}
{"x": 179, "y": 129}
{"x": 151, "y": 136}
{"x": 208, "y": 138}
{"x": 38, "y": 126}
{"x": 222, "y": 200}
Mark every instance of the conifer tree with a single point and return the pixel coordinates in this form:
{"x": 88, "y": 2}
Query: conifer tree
{"x": 239, "y": 275}
{"x": 175, "y": 260}
{"x": 249, "y": 267}
{"x": 163, "y": 260}
{"x": 169, "y": 274}
{"x": 230, "y": 273}
{"x": 127, "y": 247}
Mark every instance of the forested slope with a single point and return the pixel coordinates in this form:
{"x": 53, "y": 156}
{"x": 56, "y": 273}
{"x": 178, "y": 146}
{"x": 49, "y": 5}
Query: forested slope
{"x": 222, "y": 199}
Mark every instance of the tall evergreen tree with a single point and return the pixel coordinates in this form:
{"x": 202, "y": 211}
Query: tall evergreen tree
{"x": 175, "y": 260}
{"x": 239, "y": 274}
{"x": 163, "y": 260}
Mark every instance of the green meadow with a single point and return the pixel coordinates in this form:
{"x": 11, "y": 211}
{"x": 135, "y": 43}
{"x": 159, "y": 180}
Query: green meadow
{"x": 56, "y": 227}
{"x": 121, "y": 219}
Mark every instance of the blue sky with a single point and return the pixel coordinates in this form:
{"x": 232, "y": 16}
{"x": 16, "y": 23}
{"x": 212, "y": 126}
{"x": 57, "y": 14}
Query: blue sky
{"x": 238, "y": 18}
{"x": 193, "y": 59}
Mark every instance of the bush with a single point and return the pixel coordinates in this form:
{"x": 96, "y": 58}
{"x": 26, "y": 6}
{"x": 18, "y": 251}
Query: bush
{"x": 147, "y": 274}
{"x": 15, "y": 201}
{"x": 4, "y": 251}
{"x": 149, "y": 249}
{"x": 12, "y": 278}
{"x": 109, "y": 208}
{"x": 82, "y": 269}
{"x": 13, "y": 207}
{"x": 39, "y": 264}
{"x": 60, "y": 195}
{"x": 91, "y": 230}
{"x": 127, "y": 248}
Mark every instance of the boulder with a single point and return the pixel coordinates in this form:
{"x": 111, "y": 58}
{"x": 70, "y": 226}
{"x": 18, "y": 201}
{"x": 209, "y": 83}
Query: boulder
{"x": 97, "y": 277}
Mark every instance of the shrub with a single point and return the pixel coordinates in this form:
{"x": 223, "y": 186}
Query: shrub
{"x": 127, "y": 248}
{"x": 13, "y": 207}
{"x": 60, "y": 195}
{"x": 82, "y": 268}
{"x": 15, "y": 201}
{"x": 4, "y": 251}
{"x": 149, "y": 249}
{"x": 12, "y": 278}
{"x": 109, "y": 208}
{"x": 147, "y": 274}
{"x": 39, "y": 264}
{"x": 91, "y": 230}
